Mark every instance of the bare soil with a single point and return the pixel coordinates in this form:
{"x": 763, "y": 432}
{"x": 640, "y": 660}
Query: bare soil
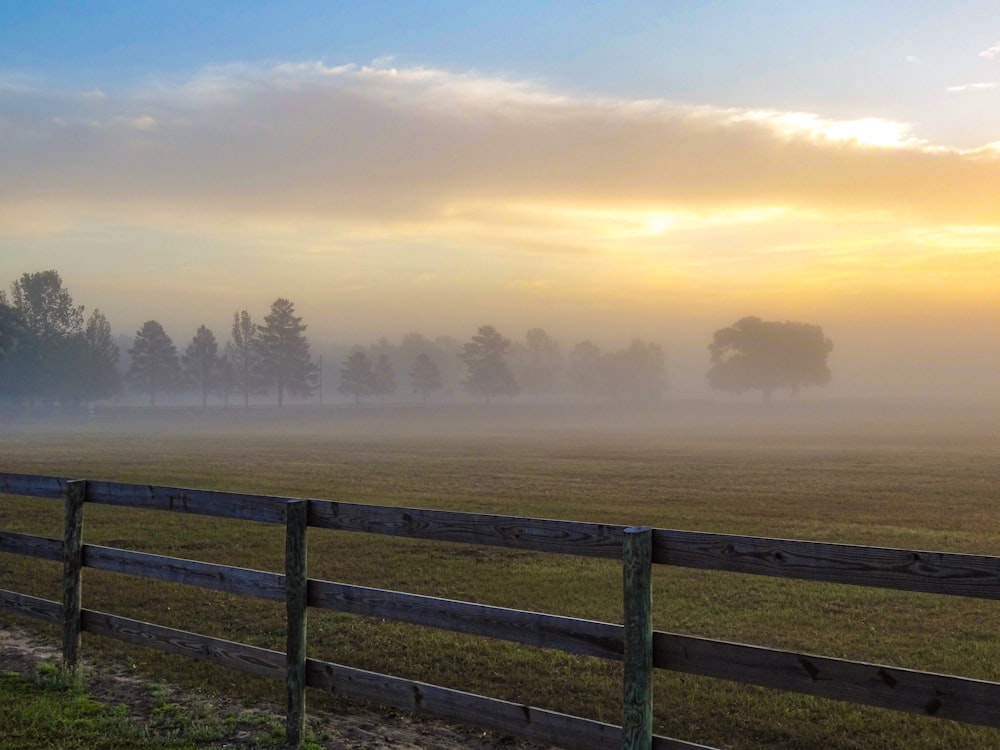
{"x": 359, "y": 729}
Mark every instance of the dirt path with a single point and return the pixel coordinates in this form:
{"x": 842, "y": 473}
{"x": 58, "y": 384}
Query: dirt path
{"x": 368, "y": 730}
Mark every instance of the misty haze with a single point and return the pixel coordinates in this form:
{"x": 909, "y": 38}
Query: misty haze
{"x": 479, "y": 375}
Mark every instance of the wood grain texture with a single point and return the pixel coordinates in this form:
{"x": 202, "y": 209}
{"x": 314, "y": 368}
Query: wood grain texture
{"x": 296, "y": 605}
{"x": 179, "y": 500}
{"x": 31, "y": 606}
{"x": 637, "y": 681}
{"x": 526, "y": 722}
{"x": 587, "y": 637}
{"x": 76, "y": 495}
{"x": 32, "y": 485}
{"x": 260, "y": 661}
{"x": 927, "y": 693}
{"x": 564, "y": 537}
{"x": 31, "y": 546}
{"x": 255, "y": 583}
{"x": 908, "y": 570}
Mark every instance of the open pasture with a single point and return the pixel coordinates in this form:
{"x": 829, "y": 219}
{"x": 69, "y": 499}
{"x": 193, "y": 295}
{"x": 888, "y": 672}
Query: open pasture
{"x": 900, "y": 477}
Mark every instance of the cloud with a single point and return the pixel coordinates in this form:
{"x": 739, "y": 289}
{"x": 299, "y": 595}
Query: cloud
{"x": 984, "y": 85}
{"x": 306, "y": 144}
{"x": 991, "y": 53}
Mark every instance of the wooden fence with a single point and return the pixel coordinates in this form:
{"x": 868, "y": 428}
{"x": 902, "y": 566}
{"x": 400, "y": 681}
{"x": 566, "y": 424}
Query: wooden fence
{"x": 636, "y": 643}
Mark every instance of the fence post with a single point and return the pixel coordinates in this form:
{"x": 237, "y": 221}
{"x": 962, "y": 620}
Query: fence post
{"x": 637, "y": 703}
{"x": 76, "y": 495}
{"x": 296, "y": 523}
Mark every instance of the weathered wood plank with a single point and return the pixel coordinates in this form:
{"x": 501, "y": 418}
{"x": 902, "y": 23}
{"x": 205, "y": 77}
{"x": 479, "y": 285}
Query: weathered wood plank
{"x": 908, "y": 570}
{"x": 32, "y": 606}
{"x": 201, "y": 502}
{"x": 256, "y": 583}
{"x": 76, "y": 494}
{"x": 587, "y": 637}
{"x": 563, "y": 537}
{"x": 927, "y": 693}
{"x": 260, "y": 661}
{"x": 32, "y": 485}
{"x": 526, "y": 722}
{"x": 31, "y": 546}
{"x": 296, "y": 605}
{"x": 637, "y": 681}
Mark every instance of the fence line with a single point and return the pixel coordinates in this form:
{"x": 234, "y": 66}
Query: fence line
{"x": 642, "y": 648}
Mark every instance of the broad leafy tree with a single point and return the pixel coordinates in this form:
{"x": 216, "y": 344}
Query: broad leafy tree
{"x": 285, "y": 360}
{"x": 757, "y": 355}
{"x": 10, "y": 327}
{"x": 202, "y": 364}
{"x": 357, "y": 376}
{"x": 425, "y": 376}
{"x": 636, "y": 374}
{"x": 487, "y": 373}
{"x": 155, "y": 366}
{"x": 244, "y": 355}
{"x": 47, "y": 358}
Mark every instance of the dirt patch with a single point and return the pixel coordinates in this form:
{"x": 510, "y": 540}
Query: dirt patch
{"x": 368, "y": 730}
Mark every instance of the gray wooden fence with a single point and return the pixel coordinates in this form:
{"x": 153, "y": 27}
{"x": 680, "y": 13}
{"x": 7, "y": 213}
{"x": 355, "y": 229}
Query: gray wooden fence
{"x": 635, "y": 642}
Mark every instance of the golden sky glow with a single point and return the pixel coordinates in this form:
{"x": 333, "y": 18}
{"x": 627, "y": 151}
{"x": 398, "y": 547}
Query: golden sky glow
{"x": 382, "y": 200}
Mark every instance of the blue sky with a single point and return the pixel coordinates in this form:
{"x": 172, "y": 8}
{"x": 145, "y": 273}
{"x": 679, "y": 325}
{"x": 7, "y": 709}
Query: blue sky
{"x": 611, "y": 171}
{"x": 886, "y": 58}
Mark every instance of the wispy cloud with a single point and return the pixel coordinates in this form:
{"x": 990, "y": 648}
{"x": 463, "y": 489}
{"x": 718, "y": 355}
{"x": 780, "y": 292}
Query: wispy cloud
{"x": 314, "y": 143}
{"x": 991, "y": 53}
{"x": 980, "y": 86}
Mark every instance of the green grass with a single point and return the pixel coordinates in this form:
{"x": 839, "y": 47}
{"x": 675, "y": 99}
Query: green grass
{"x": 43, "y": 713}
{"x": 890, "y": 478}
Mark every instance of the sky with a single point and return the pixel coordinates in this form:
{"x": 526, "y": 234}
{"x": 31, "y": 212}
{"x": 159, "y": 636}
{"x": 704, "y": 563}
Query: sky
{"x": 600, "y": 170}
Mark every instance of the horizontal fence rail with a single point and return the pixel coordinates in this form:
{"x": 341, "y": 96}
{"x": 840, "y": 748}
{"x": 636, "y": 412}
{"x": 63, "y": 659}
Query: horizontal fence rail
{"x": 942, "y": 696}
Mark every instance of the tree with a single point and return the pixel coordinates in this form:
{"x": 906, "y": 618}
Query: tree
{"x": 357, "y": 376}
{"x": 98, "y": 376}
{"x": 155, "y": 365}
{"x": 10, "y": 327}
{"x": 585, "y": 368}
{"x": 425, "y": 376}
{"x": 46, "y": 361}
{"x": 758, "y": 355}
{"x": 202, "y": 363}
{"x": 634, "y": 374}
{"x": 487, "y": 373}
{"x": 285, "y": 360}
{"x": 384, "y": 377}
{"x": 244, "y": 353}
{"x": 537, "y": 362}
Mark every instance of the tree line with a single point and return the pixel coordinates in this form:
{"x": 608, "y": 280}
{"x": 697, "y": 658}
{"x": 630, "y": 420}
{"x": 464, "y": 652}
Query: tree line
{"x": 50, "y": 352}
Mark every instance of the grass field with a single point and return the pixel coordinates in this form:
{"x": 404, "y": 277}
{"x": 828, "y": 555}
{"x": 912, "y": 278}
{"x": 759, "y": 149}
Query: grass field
{"x": 854, "y": 473}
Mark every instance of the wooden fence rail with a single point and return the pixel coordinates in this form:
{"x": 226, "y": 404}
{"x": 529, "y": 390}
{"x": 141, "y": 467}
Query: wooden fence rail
{"x": 635, "y": 642}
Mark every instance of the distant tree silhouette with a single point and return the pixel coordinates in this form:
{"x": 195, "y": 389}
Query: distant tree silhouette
{"x": 637, "y": 373}
{"x": 98, "y": 376}
{"x": 45, "y": 363}
{"x": 537, "y": 362}
{"x": 155, "y": 365}
{"x": 10, "y": 326}
{"x": 485, "y": 360}
{"x": 384, "y": 377}
{"x": 285, "y": 360}
{"x": 357, "y": 376}
{"x": 425, "y": 376}
{"x": 756, "y": 355}
{"x": 203, "y": 364}
{"x": 244, "y": 354}
{"x": 585, "y": 368}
